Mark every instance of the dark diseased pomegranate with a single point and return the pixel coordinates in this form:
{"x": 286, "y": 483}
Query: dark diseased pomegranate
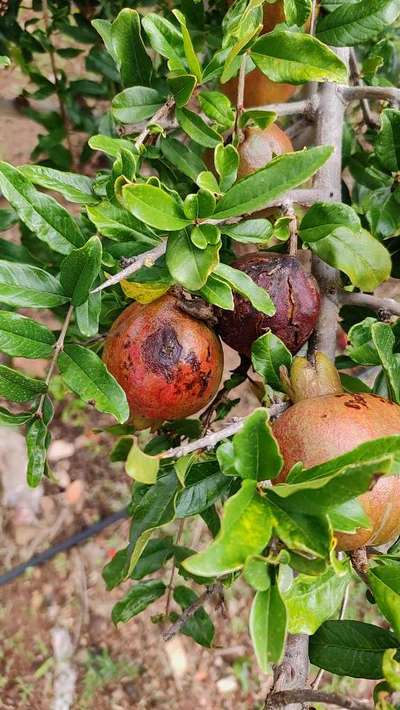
{"x": 168, "y": 363}
{"x": 294, "y": 293}
{"x": 318, "y": 429}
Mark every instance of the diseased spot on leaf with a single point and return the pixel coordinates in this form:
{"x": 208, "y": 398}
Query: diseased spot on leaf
{"x": 161, "y": 352}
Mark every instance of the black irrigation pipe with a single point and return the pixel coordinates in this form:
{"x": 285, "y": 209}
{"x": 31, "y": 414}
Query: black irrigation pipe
{"x": 76, "y": 539}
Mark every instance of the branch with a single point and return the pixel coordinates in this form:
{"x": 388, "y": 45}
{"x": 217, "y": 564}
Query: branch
{"x": 308, "y": 107}
{"x": 355, "y": 73}
{"x": 214, "y": 437}
{"x": 146, "y": 259}
{"x": 380, "y": 305}
{"x": 379, "y": 93}
{"x": 190, "y": 611}
{"x": 305, "y": 695}
{"x": 359, "y": 560}
{"x": 158, "y": 116}
{"x": 57, "y": 349}
{"x": 292, "y": 672}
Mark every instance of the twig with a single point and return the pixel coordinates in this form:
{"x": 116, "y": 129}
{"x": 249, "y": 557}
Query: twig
{"x": 158, "y": 116}
{"x": 304, "y": 695}
{"x": 308, "y": 107}
{"x": 359, "y": 560}
{"x": 355, "y": 74}
{"x": 211, "y": 439}
{"x": 146, "y": 259}
{"x": 293, "y": 669}
{"x": 379, "y": 93}
{"x": 172, "y": 575}
{"x": 221, "y": 395}
{"x": 237, "y": 132}
{"x": 318, "y": 677}
{"x": 57, "y": 349}
{"x": 380, "y": 305}
{"x": 63, "y": 113}
{"x": 190, "y": 611}
{"x": 313, "y": 20}
{"x": 288, "y": 210}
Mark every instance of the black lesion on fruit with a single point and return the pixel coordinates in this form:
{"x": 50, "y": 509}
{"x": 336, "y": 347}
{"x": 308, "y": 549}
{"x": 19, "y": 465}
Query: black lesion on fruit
{"x": 161, "y": 352}
{"x": 192, "y": 359}
{"x": 204, "y": 380}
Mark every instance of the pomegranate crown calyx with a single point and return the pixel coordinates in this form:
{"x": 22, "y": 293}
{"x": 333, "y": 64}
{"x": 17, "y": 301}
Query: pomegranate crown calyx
{"x": 308, "y": 380}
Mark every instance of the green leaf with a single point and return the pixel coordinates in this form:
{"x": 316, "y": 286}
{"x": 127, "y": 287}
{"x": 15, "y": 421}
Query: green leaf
{"x": 256, "y": 452}
{"x": 197, "y": 129}
{"x": 324, "y": 217}
{"x": 385, "y": 586}
{"x": 129, "y": 52}
{"x": 245, "y": 530}
{"x": 182, "y": 87}
{"x": 199, "y": 626}
{"x": 87, "y": 315}
{"x": 391, "y": 668}
{"x": 36, "y": 444}
{"x": 384, "y": 341}
{"x": 361, "y": 347}
{"x": 218, "y": 107}
{"x": 297, "y": 11}
{"x": 109, "y": 145}
{"x": 351, "y": 24}
{"x": 280, "y": 175}
{"x": 14, "y": 420}
{"x": 87, "y": 376}
{"x": 295, "y": 57}
{"x": 349, "y": 517}
{"x": 155, "y": 555}
{"x": 268, "y": 626}
{"x": 312, "y": 600}
{"x": 257, "y": 117}
{"x": 42, "y": 214}
{"x": 154, "y": 206}
{"x": 249, "y": 231}
{"x": 387, "y": 144}
{"x": 79, "y": 269}
{"x": 191, "y": 56}
{"x": 204, "y": 485}
{"x": 153, "y": 510}
{"x": 114, "y": 222}
{"x": 8, "y": 217}
{"x": 17, "y": 387}
{"x": 165, "y": 38}
{"x": 103, "y": 27}
{"x": 226, "y": 159}
{"x": 181, "y": 157}
{"x": 308, "y": 534}
{"x": 268, "y": 355}
{"x": 75, "y": 188}
{"x": 138, "y": 598}
{"x": 218, "y": 293}
{"x": 23, "y": 337}
{"x": 199, "y": 205}
{"x": 28, "y": 286}
{"x": 140, "y": 466}
{"x": 207, "y": 181}
{"x": 187, "y": 264}
{"x": 351, "y": 648}
{"x": 243, "y": 284}
{"x": 136, "y": 104}
{"x": 255, "y": 572}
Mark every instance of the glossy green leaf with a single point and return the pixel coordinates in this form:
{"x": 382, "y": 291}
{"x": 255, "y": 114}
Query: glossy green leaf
{"x": 165, "y": 38}
{"x": 245, "y": 530}
{"x": 8, "y": 217}
{"x": 295, "y": 57}
{"x": 87, "y": 316}
{"x": 268, "y": 355}
{"x": 24, "y": 337}
{"x": 187, "y": 264}
{"x": 218, "y": 293}
{"x": 249, "y": 231}
{"x": 387, "y": 144}
{"x": 297, "y": 11}
{"x": 199, "y": 205}
{"x": 351, "y": 648}
{"x": 41, "y": 213}
{"x": 307, "y": 534}
{"x": 361, "y": 347}
{"x": 349, "y": 516}
{"x": 391, "y": 668}
{"x": 182, "y": 87}
{"x": 111, "y": 146}
{"x": 155, "y": 555}
{"x": 17, "y": 387}
{"x": 351, "y": 24}
{"x": 87, "y": 376}
{"x": 137, "y": 599}
{"x": 36, "y": 436}
{"x": 226, "y": 160}
{"x": 199, "y": 626}
{"x": 256, "y": 452}
{"x": 384, "y": 581}
{"x": 75, "y": 188}
{"x": 312, "y": 600}
{"x": 384, "y": 341}
{"x": 324, "y": 217}
{"x": 79, "y": 269}
{"x": 131, "y": 57}
{"x": 204, "y": 485}
{"x": 218, "y": 107}
{"x": 197, "y": 129}
{"x": 191, "y": 56}
{"x": 13, "y": 420}
{"x": 243, "y": 284}
{"x": 256, "y": 573}
{"x": 154, "y": 206}
{"x": 116, "y": 223}
{"x": 136, "y": 104}
{"x": 140, "y": 466}
{"x": 268, "y": 621}
{"x": 28, "y": 286}
{"x": 207, "y": 181}
{"x": 181, "y": 157}
{"x": 257, "y": 117}
{"x": 280, "y": 175}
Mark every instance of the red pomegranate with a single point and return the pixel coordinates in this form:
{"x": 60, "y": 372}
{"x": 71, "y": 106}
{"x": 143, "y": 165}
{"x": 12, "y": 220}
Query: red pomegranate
{"x": 168, "y": 363}
{"x": 323, "y": 427}
{"x": 294, "y": 293}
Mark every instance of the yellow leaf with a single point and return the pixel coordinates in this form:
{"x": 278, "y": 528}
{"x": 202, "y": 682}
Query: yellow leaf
{"x": 144, "y": 292}
{"x": 141, "y": 466}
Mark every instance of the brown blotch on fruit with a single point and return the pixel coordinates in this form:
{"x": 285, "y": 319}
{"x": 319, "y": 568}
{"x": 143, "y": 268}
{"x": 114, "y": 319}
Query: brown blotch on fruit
{"x": 294, "y": 293}
{"x": 259, "y": 146}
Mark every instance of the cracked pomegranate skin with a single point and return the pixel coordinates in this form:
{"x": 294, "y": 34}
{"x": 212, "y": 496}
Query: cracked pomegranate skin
{"x": 294, "y": 293}
{"x": 168, "y": 363}
{"x": 318, "y": 429}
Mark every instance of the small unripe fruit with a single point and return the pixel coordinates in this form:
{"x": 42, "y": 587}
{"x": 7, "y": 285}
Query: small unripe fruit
{"x": 168, "y": 363}
{"x": 295, "y": 295}
{"x": 318, "y": 429}
{"x": 260, "y": 146}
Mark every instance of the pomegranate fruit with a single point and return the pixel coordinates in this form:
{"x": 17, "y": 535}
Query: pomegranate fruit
{"x": 168, "y": 363}
{"x": 260, "y": 146}
{"x": 294, "y": 293}
{"x": 326, "y": 426}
